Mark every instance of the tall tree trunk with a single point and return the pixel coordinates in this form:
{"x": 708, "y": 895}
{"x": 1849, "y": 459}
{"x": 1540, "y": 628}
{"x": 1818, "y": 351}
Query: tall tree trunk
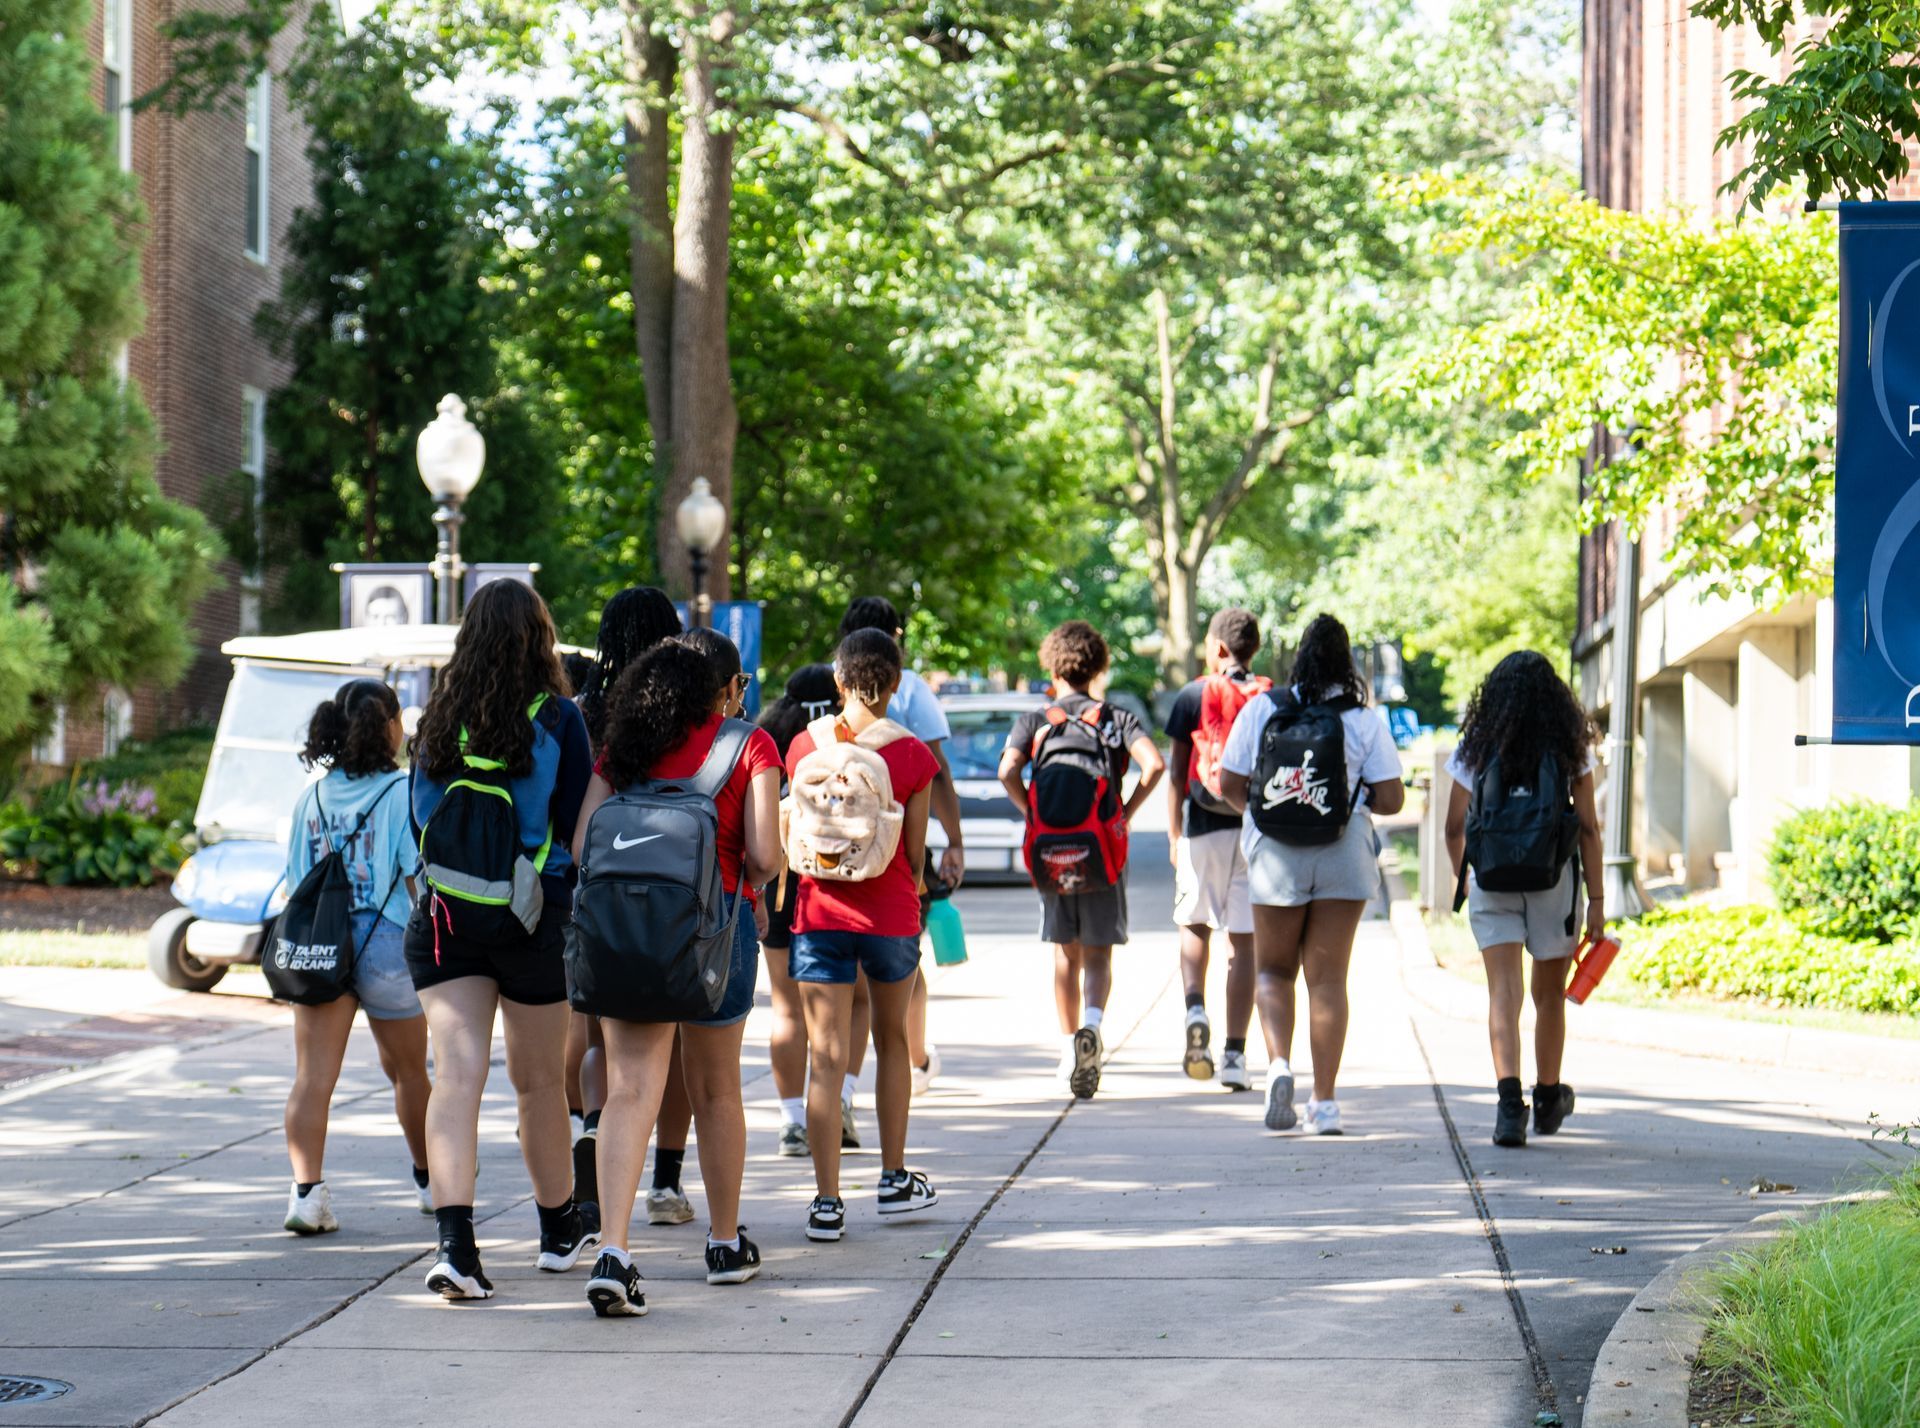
{"x": 648, "y": 61}
{"x": 704, "y": 420}
{"x": 1179, "y": 656}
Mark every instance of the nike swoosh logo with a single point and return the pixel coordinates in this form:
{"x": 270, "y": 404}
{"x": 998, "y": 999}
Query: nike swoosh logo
{"x": 620, "y": 844}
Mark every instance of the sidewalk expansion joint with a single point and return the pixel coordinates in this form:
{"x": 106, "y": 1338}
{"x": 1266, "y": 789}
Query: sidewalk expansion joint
{"x": 960, "y": 1243}
{"x": 1543, "y": 1390}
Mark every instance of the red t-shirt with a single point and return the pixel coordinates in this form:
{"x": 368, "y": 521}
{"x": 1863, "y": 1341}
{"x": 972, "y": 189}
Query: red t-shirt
{"x": 759, "y": 755}
{"x": 889, "y": 905}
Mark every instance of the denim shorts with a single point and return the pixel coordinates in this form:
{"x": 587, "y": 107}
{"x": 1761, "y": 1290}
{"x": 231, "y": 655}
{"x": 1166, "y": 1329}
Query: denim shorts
{"x": 743, "y": 973}
{"x": 380, "y": 977}
{"x": 836, "y": 958}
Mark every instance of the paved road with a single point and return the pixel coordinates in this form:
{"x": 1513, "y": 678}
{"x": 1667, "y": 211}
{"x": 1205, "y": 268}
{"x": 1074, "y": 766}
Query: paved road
{"x": 1152, "y": 1255}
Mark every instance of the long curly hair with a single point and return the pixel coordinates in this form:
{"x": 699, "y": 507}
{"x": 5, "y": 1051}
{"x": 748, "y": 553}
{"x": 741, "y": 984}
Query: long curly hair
{"x": 353, "y": 731}
{"x": 1324, "y": 662}
{"x": 502, "y": 661}
{"x": 631, "y": 623}
{"x": 1522, "y": 711}
{"x": 656, "y": 705}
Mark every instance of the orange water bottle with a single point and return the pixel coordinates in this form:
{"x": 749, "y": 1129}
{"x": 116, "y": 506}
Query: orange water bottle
{"x": 1592, "y": 960}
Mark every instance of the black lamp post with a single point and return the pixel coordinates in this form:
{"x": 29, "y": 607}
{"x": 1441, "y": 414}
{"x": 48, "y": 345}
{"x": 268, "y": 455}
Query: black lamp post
{"x": 701, "y": 521}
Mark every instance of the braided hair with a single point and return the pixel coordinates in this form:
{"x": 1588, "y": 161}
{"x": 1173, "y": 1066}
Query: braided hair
{"x": 632, "y": 622}
{"x": 1324, "y": 662}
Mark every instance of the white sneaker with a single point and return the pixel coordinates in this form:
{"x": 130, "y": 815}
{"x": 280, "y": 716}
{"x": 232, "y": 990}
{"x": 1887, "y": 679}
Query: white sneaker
{"x": 1199, "y": 1059}
{"x": 1063, "y": 1073}
{"x": 422, "y": 1195}
{"x": 924, "y": 1076}
{"x": 849, "y": 1128}
{"x": 1323, "y": 1117}
{"x": 1233, "y": 1071}
{"x": 668, "y": 1207}
{"x": 312, "y": 1213}
{"x": 1280, "y": 1112}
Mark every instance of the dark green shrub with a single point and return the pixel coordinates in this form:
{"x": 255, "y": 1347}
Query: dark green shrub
{"x": 173, "y": 765}
{"x": 1852, "y": 869}
{"x": 1767, "y": 955}
{"x": 92, "y": 834}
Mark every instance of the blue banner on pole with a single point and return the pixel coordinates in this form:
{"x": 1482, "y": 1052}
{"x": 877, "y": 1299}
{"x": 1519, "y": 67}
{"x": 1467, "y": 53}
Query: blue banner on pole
{"x": 1876, "y": 578}
{"x": 740, "y": 621}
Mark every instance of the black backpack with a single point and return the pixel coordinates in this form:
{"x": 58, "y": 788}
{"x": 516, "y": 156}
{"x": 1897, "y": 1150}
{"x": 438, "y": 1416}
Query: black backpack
{"x": 652, "y": 931}
{"x": 480, "y": 880}
{"x": 1298, "y": 793}
{"x": 313, "y": 954}
{"x": 1520, "y": 836}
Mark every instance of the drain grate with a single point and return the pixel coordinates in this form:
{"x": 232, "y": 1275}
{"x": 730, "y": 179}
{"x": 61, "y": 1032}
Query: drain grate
{"x": 16, "y": 1389}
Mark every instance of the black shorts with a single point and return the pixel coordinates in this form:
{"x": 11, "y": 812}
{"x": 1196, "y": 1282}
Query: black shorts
{"x": 780, "y": 913}
{"x": 530, "y": 970}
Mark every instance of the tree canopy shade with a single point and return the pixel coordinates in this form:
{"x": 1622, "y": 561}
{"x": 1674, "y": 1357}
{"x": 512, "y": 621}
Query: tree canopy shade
{"x": 98, "y": 571}
{"x": 1838, "y": 122}
{"x": 1710, "y": 350}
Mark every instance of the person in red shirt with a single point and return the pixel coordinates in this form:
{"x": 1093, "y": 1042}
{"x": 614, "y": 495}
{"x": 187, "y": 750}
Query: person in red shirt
{"x": 843, "y": 928}
{"x": 663, "y": 716}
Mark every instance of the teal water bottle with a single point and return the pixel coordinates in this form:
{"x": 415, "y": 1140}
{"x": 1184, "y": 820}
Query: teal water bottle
{"x": 949, "y": 934}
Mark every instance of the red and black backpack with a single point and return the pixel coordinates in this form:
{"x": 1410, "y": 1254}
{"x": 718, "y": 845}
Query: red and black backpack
{"x": 1222, "y": 697}
{"x": 1076, "y": 835}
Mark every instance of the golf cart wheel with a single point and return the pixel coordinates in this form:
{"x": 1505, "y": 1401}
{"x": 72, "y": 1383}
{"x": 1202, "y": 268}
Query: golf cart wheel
{"x": 169, "y": 960}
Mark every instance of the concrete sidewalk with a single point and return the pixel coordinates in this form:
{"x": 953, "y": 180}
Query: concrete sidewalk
{"x": 1153, "y": 1254}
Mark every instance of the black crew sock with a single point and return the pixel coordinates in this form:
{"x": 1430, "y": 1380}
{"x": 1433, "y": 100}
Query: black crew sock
{"x": 1195, "y": 999}
{"x": 1510, "y": 1091}
{"x": 1542, "y": 1091}
{"x": 306, "y": 1187}
{"x": 420, "y": 1176}
{"x": 592, "y": 1121}
{"x": 666, "y": 1167}
{"x": 556, "y": 1217}
{"x": 1236, "y": 1043}
{"x": 455, "y": 1223}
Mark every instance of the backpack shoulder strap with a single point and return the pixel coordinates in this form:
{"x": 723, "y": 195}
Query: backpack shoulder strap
{"x": 879, "y": 735}
{"x": 825, "y": 732}
{"x": 1283, "y": 698}
{"x": 1094, "y": 714}
{"x": 729, "y": 743}
{"x": 1052, "y": 717}
{"x": 1342, "y": 703}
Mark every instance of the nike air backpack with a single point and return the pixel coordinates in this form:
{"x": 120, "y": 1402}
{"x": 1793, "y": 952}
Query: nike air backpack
{"x": 652, "y": 931}
{"x": 840, "y": 821}
{"x": 1076, "y": 834}
{"x": 481, "y": 884}
{"x": 1521, "y": 832}
{"x": 1298, "y": 793}
{"x": 1222, "y": 697}
{"x": 313, "y": 954}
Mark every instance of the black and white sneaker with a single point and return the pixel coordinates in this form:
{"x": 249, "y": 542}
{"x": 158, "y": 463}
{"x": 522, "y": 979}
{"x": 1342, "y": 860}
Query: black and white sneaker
{"x": 826, "y": 1218}
{"x": 1084, "y": 1079}
{"x": 726, "y": 1265}
{"x": 562, "y": 1245}
{"x": 904, "y": 1191}
{"x": 457, "y": 1275}
{"x": 614, "y": 1288}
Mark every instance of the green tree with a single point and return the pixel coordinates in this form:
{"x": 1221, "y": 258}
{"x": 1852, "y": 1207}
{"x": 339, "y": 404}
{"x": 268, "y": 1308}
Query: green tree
{"x": 101, "y": 571}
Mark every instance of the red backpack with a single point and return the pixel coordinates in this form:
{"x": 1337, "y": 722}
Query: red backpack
{"x": 1076, "y": 833}
{"x": 1222, "y": 697}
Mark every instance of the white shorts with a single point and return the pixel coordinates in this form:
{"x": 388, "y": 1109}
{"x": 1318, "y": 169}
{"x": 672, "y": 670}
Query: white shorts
{"x": 1210, "y": 883}
{"x": 1535, "y": 920}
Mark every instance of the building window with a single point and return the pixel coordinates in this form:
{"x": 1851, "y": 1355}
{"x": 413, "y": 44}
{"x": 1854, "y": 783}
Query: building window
{"x": 259, "y": 124}
{"x": 116, "y": 721}
{"x": 116, "y": 63}
{"x": 253, "y": 461}
{"x": 51, "y": 747}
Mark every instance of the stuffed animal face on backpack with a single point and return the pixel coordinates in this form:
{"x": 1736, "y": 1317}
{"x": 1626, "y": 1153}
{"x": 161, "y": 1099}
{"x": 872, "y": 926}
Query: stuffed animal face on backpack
{"x": 840, "y": 821}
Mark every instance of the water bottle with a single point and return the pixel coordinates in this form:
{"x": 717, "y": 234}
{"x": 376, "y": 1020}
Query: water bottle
{"x": 1593, "y": 959}
{"x": 949, "y": 935}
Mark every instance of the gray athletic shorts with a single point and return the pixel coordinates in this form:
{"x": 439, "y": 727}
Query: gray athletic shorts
{"x": 1093, "y": 919}
{"x": 1537, "y": 920}
{"x": 1282, "y": 875}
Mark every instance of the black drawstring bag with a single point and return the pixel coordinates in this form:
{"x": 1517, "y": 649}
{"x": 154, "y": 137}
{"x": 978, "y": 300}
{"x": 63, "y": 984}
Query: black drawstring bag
{"x": 313, "y": 954}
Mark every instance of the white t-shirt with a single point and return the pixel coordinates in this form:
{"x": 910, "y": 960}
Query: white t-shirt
{"x": 917, "y": 708}
{"x": 1460, "y": 773}
{"x": 1371, "y": 755}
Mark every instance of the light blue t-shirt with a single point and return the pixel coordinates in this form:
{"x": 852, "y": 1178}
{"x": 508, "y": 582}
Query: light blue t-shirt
{"x": 917, "y": 709}
{"x": 381, "y": 855}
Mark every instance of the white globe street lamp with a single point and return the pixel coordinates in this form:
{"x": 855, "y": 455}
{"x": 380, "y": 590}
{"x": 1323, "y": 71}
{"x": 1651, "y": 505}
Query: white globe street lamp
{"x": 450, "y": 454}
{"x": 701, "y": 521}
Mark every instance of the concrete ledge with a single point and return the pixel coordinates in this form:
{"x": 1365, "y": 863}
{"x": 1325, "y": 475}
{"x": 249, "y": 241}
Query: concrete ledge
{"x": 1643, "y": 1370}
{"x": 1684, "y": 1033}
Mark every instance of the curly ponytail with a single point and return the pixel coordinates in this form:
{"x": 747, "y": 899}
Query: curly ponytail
{"x": 654, "y": 707}
{"x": 352, "y": 731}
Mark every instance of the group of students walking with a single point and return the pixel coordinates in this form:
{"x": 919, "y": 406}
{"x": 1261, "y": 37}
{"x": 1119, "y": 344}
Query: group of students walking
{"x": 605, "y": 871}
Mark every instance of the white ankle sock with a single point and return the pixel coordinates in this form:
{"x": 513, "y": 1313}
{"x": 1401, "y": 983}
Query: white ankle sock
{"x": 1279, "y": 1067}
{"x": 1095, "y": 1015}
{"x": 732, "y": 1244}
{"x": 793, "y": 1110}
{"x": 626, "y": 1260}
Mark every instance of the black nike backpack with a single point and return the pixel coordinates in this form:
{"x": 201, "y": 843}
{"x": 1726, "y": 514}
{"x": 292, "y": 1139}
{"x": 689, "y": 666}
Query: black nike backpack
{"x": 1298, "y": 793}
{"x": 313, "y": 955}
{"x": 1521, "y": 832}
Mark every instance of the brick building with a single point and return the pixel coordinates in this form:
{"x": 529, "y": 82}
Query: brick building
{"x": 220, "y": 189}
{"x": 1724, "y": 684}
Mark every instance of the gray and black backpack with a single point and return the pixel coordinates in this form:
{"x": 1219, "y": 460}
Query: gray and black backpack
{"x": 653, "y": 927}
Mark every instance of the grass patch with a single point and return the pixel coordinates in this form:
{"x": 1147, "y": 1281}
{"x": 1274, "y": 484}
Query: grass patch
{"x": 1825, "y": 1322}
{"x": 72, "y": 949}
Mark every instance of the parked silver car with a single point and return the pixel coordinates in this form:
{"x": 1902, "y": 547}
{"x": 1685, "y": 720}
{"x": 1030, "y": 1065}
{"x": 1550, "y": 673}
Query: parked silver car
{"x": 994, "y": 832}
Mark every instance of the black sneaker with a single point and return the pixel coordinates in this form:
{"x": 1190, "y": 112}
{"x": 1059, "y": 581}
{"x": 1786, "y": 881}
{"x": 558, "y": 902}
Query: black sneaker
{"x": 1510, "y": 1124}
{"x": 826, "y": 1218}
{"x": 904, "y": 1191}
{"x": 456, "y": 1273}
{"x": 586, "y": 1170}
{"x": 1551, "y": 1106}
{"x": 733, "y": 1266}
{"x": 614, "y": 1289}
{"x": 562, "y": 1245}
